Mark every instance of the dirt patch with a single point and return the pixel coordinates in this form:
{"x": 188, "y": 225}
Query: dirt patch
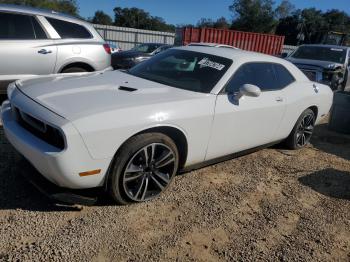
{"x": 274, "y": 204}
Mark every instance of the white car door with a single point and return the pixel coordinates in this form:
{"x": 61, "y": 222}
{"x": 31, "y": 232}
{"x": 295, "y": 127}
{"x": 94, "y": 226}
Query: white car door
{"x": 250, "y": 121}
{"x": 24, "y": 47}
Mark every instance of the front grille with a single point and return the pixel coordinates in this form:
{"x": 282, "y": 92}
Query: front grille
{"x": 310, "y": 74}
{"x": 45, "y": 132}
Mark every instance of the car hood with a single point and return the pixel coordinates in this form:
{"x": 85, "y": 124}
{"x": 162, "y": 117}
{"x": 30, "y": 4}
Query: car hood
{"x": 130, "y": 53}
{"x": 313, "y": 63}
{"x": 73, "y": 97}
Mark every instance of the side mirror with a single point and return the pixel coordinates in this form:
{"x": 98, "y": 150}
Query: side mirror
{"x": 284, "y": 55}
{"x": 248, "y": 90}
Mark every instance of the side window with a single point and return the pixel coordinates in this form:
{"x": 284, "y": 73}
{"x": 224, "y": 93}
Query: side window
{"x": 259, "y": 74}
{"x": 69, "y": 30}
{"x": 284, "y": 77}
{"x": 15, "y": 26}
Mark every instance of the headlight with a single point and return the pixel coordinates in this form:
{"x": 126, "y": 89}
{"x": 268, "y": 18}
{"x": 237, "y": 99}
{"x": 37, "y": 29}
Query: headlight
{"x": 333, "y": 66}
{"x": 11, "y": 87}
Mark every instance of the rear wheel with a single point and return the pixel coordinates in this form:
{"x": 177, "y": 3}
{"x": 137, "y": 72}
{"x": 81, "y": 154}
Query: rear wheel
{"x": 302, "y": 131}
{"x": 143, "y": 169}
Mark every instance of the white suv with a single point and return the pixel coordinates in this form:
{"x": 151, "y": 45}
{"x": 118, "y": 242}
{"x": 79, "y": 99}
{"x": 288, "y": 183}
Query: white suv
{"x": 39, "y": 42}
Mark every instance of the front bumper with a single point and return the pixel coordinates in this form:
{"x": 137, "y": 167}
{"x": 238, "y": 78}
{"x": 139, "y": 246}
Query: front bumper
{"x": 57, "y": 194}
{"x": 61, "y": 167}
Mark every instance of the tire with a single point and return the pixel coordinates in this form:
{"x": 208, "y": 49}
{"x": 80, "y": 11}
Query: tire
{"x": 74, "y": 70}
{"x": 143, "y": 181}
{"x": 302, "y": 131}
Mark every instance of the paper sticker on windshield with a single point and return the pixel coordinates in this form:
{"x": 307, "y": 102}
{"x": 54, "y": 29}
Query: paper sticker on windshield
{"x": 205, "y": 62}
{"x": 337, "y": 49}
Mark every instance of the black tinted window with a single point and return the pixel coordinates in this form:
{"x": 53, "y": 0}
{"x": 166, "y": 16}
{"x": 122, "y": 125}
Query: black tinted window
{"x": 285, "y": 78}
{"x": 188, "y": 70}
{"x": 69, "y": 30}
{"x": 259, "y": 74}
{"x": 13, "y": 26}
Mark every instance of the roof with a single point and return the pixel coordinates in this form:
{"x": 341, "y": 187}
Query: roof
{"x": 38, "y": 11}
{"x": 231, "y": 53}
{"x": 328, "y": 46}
{"x": 211, "y": 44}
{"x": 160, "y": 44}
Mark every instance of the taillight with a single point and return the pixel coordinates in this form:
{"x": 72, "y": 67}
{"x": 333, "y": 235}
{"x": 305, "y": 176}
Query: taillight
{"x": 107, "y": 48}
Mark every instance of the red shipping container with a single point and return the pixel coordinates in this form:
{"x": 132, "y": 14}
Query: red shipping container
{"x": 263, "y": 43}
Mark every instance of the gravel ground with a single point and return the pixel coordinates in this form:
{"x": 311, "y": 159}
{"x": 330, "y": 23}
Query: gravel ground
{"x": 270, "y": 205}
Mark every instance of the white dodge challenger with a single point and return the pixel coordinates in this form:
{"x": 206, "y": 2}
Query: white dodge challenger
{"x": 184, "y": 108}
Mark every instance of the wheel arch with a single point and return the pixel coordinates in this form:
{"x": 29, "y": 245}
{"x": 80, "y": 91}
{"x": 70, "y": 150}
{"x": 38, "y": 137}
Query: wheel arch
{"x": 315, "y": 110}
{"x": 83, "y": 65}
{"x": 175, "y": 133}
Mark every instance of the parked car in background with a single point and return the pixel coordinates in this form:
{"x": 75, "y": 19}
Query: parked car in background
{"x": 131, "y": 132}
{"x": 39, "y": 42}
{"x": 212, "y": 45}
{"x": 140, "y": 53}
{"x": 328, "y": 64}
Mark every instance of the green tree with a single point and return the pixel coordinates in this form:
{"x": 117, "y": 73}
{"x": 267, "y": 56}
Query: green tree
{"x": 138, "y": 18}
{"x": 220, "y": 23}
{"x": 312, "y": 25}
{"x": 290, "y": 27}
{"x": 336, "y": 20}
{"x": 253, "y": 15}
{"x": 101, "y": 18}
{"x": 205, "y": 22}
{"x": 284, "y": 10}
{"x": 64, "y": 6}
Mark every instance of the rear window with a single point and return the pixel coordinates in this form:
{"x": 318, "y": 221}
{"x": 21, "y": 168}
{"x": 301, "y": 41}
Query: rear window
{"x": 20, "y": 27}
{"x": 69, "y": 30}
{"x": 194, "y": 71}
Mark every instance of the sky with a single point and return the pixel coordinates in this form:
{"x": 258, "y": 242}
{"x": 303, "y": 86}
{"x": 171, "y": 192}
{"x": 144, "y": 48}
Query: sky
{"x": 190, "y": 11}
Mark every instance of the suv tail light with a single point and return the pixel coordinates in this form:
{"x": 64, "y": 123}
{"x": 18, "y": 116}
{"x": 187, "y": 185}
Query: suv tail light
{"x": 107, "y": 48}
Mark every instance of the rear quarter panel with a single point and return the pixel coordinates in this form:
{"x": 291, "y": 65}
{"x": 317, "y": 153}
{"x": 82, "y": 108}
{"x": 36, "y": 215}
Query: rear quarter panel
{"x": 302, "y": 95}
{"x": 81, "y": 51}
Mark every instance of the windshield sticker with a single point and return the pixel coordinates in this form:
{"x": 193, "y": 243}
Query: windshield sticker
{"x": 205, "y": 62}
{"x": 337, "y": 49}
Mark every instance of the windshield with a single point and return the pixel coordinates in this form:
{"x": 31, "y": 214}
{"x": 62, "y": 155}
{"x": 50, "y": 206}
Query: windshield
{"x": 336, "y": 55}
{"x": 146, "y": 48}
{"x": 198, "y": 72}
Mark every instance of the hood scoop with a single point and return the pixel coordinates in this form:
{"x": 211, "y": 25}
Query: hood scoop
{"x": 127, "y": 89}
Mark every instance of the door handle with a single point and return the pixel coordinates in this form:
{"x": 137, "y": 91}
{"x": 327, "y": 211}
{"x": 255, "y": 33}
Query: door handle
{"x": 279, "y": 99}
{"x": 44, "y": 51}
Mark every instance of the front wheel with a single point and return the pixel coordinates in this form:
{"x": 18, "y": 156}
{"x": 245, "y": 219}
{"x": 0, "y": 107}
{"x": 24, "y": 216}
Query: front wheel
{"x": 302, "y": 131}
{"x": 144, "y": 168}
